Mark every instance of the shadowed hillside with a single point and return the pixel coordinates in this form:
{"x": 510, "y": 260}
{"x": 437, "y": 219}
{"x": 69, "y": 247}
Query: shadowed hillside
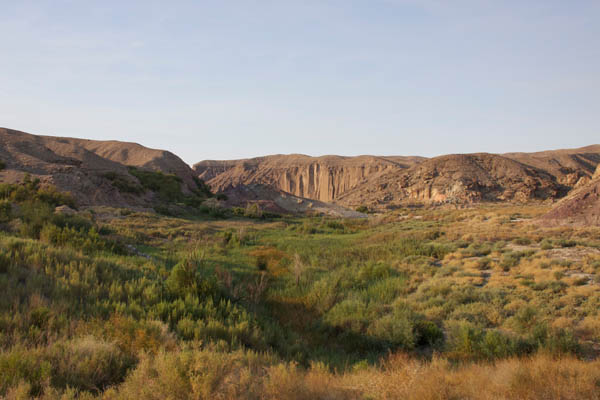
{"x": 582, "y": 207}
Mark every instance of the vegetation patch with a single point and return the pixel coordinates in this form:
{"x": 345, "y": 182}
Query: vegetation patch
{"x": 141, "y": 305}
{"x": 123, "y": 183}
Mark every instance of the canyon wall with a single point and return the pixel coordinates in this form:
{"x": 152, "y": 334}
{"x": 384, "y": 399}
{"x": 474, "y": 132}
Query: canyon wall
{"x": 376, "y": 181}
{"x": 320, "y": 178}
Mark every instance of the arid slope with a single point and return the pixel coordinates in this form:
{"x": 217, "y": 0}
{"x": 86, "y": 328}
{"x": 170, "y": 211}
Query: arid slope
{"x": 80, "y": 166}
{"x": 571, "y": 167}
{"x": 459, "y": 178}
{"x": 387, "y": 181}
{"x": 582, "y": 207}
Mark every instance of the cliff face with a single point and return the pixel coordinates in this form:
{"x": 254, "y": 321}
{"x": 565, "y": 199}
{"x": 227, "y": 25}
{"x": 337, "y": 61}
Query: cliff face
{"x": 81, "y": 166}
{"x": 319, "y": 178}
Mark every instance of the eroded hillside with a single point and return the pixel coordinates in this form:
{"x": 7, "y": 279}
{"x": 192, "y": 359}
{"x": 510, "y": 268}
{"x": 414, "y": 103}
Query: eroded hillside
{"x": 320, "y": 178}
{"x": 388, "y": 181}
{"x": 459, "y": 178}
{"x": 95, "y": 172}
{"x": 582, "y": 207}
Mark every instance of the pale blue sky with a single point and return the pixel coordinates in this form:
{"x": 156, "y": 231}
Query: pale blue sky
{"x": 231, "y": 79}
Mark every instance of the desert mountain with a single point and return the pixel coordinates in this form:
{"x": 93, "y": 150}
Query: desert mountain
{"x": 386, "y": 181}
{"x": 96, "y": 172}
{"x": 582, "y": 207}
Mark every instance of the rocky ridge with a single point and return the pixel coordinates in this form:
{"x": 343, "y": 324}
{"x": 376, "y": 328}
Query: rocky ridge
{"x": 389, "y": 181}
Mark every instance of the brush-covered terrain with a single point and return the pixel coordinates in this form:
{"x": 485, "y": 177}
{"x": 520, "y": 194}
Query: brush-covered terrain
{"x": 420, "y": 303}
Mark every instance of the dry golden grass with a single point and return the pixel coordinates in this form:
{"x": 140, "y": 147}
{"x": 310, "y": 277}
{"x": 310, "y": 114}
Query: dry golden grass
{"x": 209, "y": 375}
{"x": 537, "y": 378}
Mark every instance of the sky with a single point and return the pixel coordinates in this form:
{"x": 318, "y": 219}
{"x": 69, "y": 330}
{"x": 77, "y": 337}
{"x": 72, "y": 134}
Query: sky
{"x": 232, "y": 79}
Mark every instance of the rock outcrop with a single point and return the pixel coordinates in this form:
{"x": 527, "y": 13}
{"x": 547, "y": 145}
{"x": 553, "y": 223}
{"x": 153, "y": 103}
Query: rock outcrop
{"x": 581, "y": 207}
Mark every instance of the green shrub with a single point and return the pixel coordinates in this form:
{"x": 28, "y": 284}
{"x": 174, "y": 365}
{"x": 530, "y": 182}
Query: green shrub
{"x": 253, "y": 210}
{"x": 470, "y": 342}
{"x": 523, "y": 241}
{"x": 477, "y": 250}
{"x": 5, "y": 211}
{"x": 202, "y": 189}
{"x": 561, "y": 342}
{"x": 384, "y": 291}
{"x": 566, "y": 243}
{"x": 2, "y": 165}
{"x": 372, "y": 271}
{"x": 525, "y": 320}
{"x": 35, "y": 215}
{"x": 410, "y": 246}
{"x": 185, "y": 279}
{"x": 428, "y": 333}
{"x": 398, "y": 331}
{"x": 5, "y": 262}
{"x": 221, "y": 197}
{"x": 88, "y": 364}
{"x": 512, "y": 259}
{"x": 167, "y": 186}
{"x": 350, "y": 314}
{"x": 464, "y": 340}
{"x": 18, "y": 364}
{"x": 362, "y": 209}
{"x": 123, "y": 183}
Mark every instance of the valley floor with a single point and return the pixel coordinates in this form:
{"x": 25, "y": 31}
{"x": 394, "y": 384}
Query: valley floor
{"x": 478, "y": 303}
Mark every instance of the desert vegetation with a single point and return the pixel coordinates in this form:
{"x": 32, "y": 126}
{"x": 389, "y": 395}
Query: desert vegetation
{"x": 419, "y": 303}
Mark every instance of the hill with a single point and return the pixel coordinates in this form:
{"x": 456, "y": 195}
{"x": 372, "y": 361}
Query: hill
{"x": 96, "y": 172}
{"x": 571, "y": 167}
{"x": 459, "y": 178}
{"x": 387, "y": 181}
